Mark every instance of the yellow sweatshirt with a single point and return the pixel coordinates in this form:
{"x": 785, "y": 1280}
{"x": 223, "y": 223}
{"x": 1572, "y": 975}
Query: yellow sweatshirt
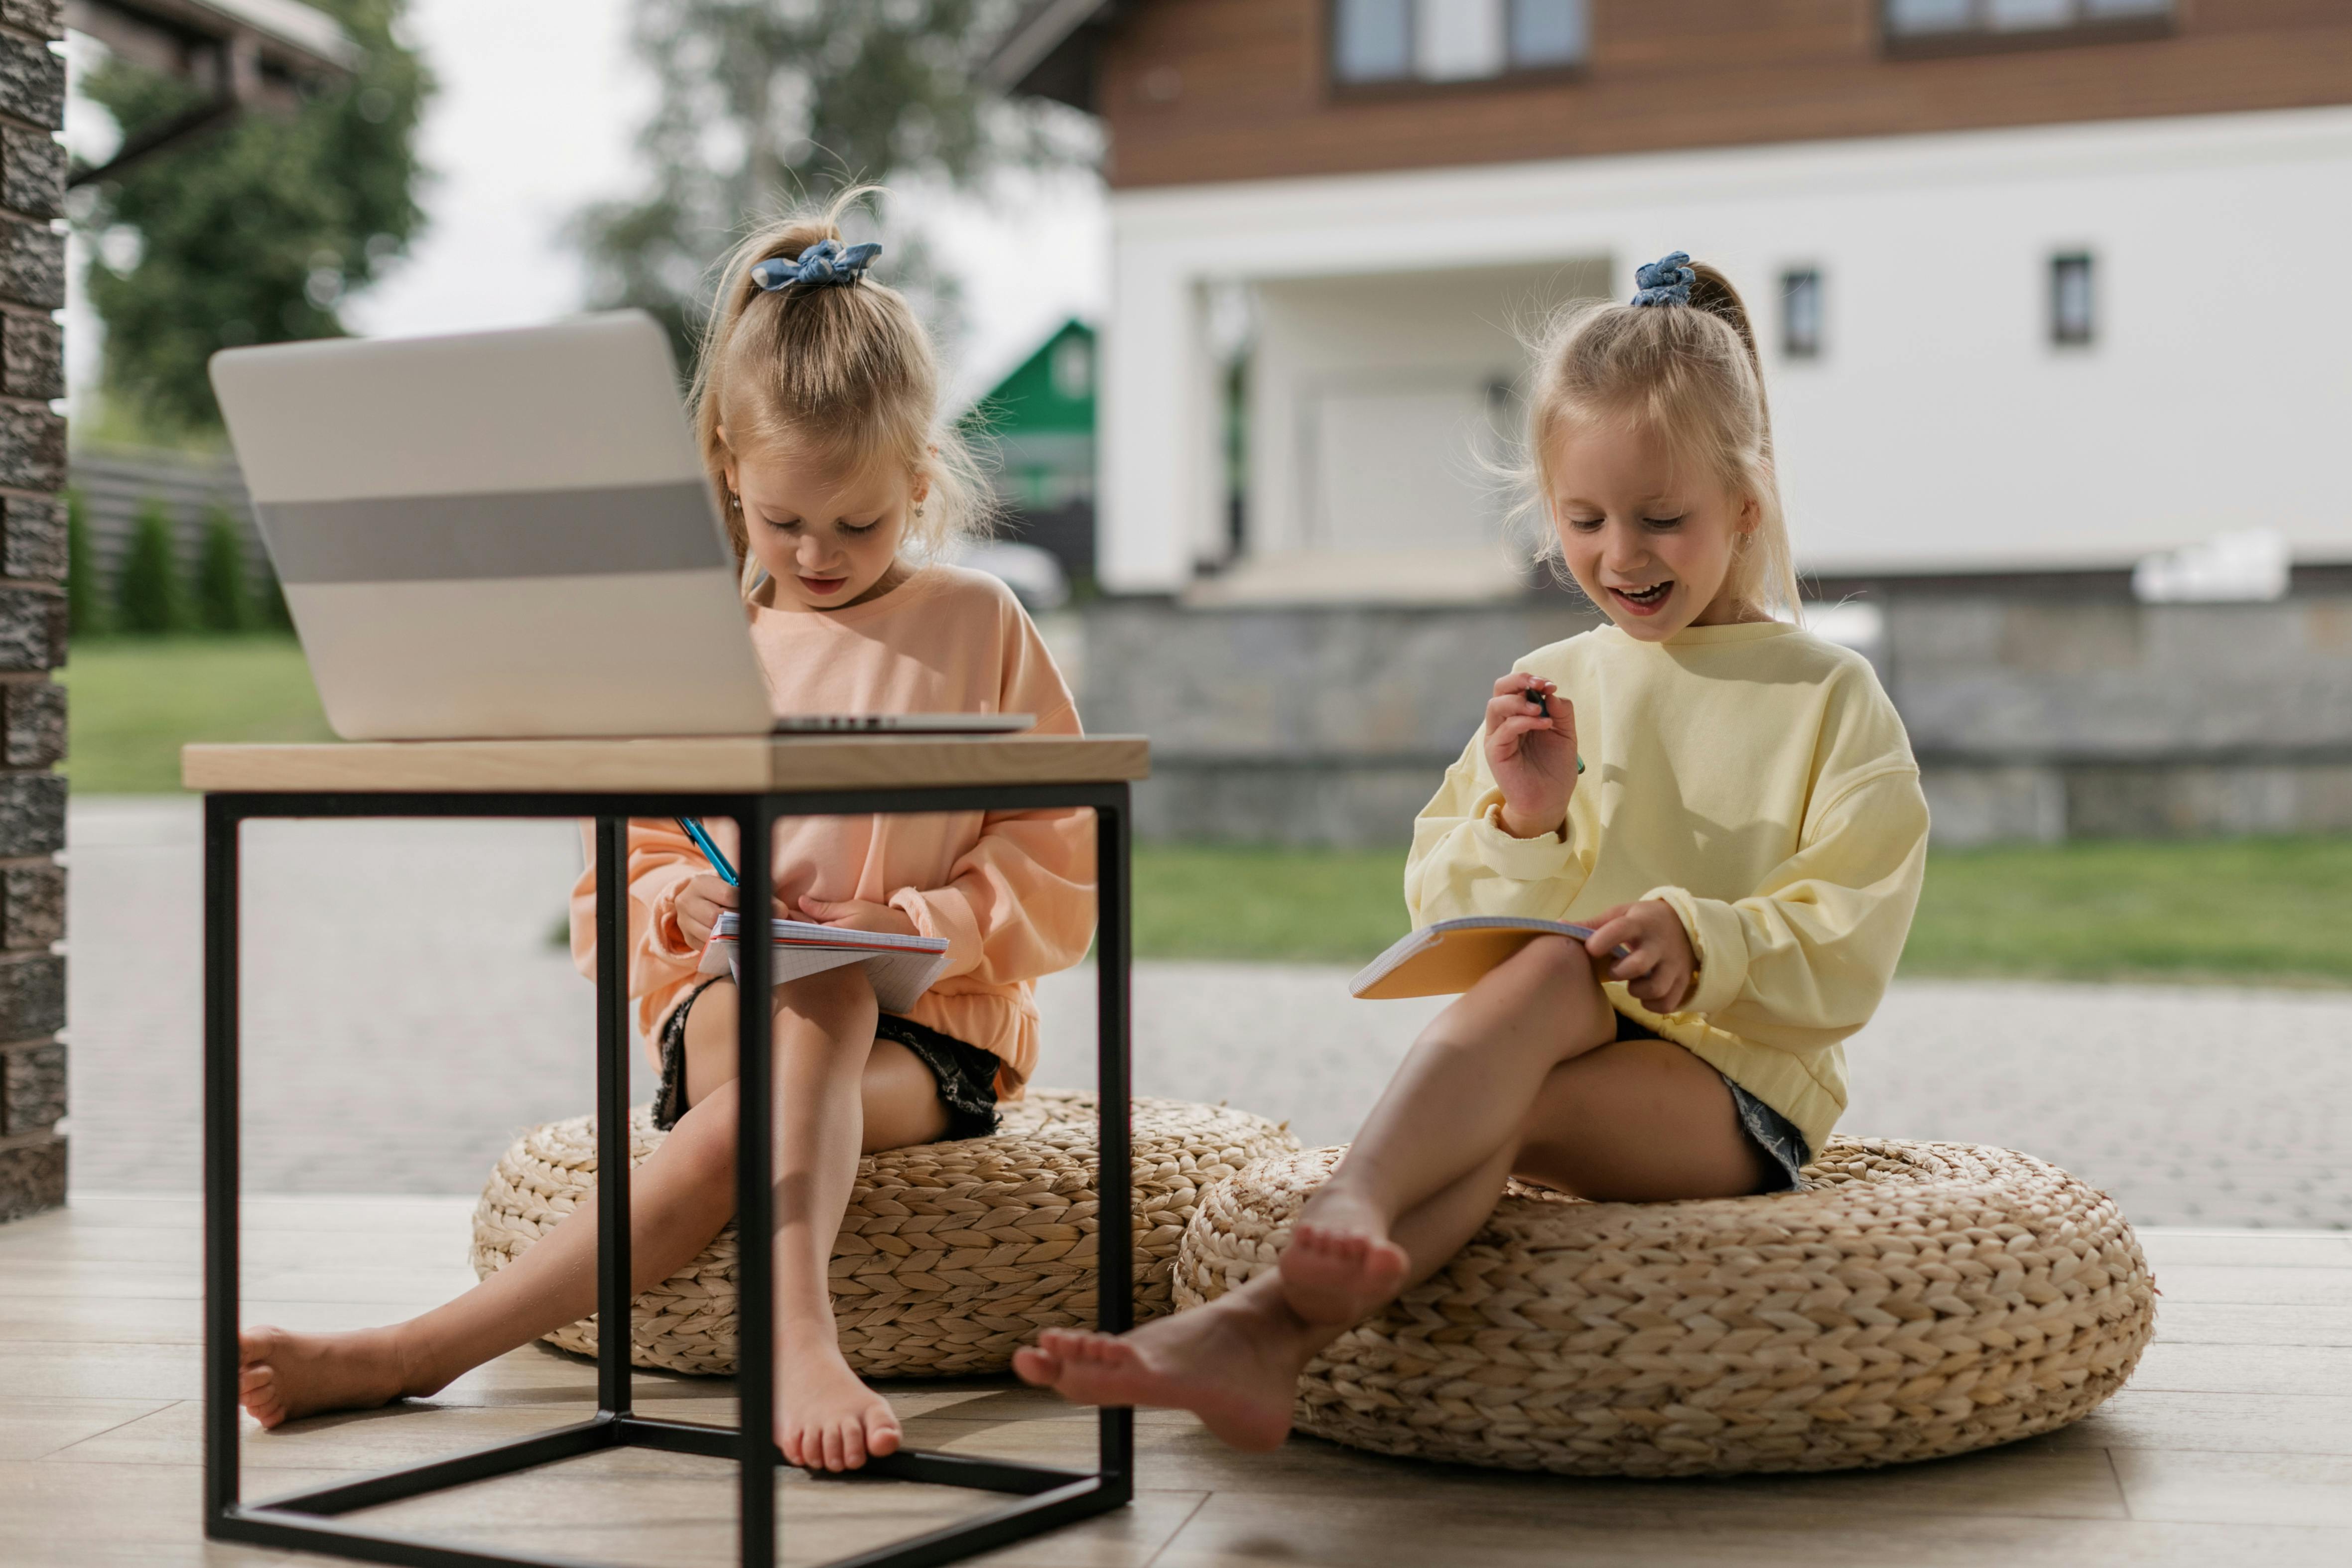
{"x": 1757, "y": 779}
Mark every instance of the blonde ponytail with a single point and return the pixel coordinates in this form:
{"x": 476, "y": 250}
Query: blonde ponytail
{"x": 840, "y": 376}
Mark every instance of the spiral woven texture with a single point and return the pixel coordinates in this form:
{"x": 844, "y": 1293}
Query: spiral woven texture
{"x": 950, "y": 1254}
{"x": 1911, "y": 1300}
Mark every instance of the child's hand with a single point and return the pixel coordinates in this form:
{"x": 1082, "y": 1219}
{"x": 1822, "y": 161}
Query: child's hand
{"x": 1658, "y": 962}
{"x": 701, "y": 901}
{"x": 1532, "y": 755}
{"x": 857, "y": 914}
{"x": 699, "y": 906}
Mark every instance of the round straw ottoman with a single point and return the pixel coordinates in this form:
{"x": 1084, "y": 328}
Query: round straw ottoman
{"x": 1911, "y": 1300}
{"x": 951, "y": 1254}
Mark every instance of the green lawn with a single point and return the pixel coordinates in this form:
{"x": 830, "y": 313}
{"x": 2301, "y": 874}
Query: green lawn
{"x": 135, "y": 701}
{"x": 2266, "y": 911}
{"x": 2263, "y": 910}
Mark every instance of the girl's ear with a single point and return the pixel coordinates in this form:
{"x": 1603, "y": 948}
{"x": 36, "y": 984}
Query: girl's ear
{"x": 1751, "y": 517}
{"x": 727, "y": 462}
{"x": 922, "y": 486}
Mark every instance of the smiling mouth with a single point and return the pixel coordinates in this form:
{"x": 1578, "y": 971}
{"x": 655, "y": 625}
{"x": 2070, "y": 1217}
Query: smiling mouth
{"x": 1642, "y": 601}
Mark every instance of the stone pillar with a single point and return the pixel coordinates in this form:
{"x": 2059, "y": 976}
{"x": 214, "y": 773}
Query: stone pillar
{"x": 32, "y": 608}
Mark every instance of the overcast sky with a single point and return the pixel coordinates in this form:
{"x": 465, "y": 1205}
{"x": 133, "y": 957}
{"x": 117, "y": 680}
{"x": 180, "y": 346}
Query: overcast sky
{"x": 539, "y": 105}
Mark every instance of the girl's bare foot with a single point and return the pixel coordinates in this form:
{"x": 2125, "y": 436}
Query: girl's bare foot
{"x": 827, "y": 1419}
{"x": 1234, "y": 1364}
{"x": 284, "y": 1376}
{"x": 1340, "y": 1266}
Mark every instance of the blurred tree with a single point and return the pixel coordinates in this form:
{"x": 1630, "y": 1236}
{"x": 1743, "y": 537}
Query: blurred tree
{"x": 764, "y": 105}
{"x": 222, "y": 603}
{"x": 147, "y": 597}
{"x": 85, "y": 603}
{"x": 254, "y": 233}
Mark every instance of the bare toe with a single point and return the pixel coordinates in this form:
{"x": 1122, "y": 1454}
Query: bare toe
{"x": 1335, "y": 1276}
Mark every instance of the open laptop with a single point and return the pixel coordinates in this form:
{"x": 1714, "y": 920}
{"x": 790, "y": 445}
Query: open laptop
{"x": 506, "y": 534}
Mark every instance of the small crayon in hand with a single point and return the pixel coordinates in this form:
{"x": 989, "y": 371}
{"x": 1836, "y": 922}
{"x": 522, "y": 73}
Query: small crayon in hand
{"x": 1535, "y": 696}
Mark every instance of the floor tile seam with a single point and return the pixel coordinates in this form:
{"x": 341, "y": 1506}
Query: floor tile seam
{"x": 91, "y": 1437}
{"x": 2339, "y": 1395}
{"x": 2279, "y": 1232}
{"x": 2264, "y": 1345}
{"x": 1181, "y": 1525}
{"x": 1729, "y": 1507}
{"x": 2115, "y": 1473}
{"x": 2263, "y": 1453}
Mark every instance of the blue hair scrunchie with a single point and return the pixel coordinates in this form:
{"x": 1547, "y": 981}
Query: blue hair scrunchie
{"x": 823, "y": 263}
{"x": 1665, "y": 282}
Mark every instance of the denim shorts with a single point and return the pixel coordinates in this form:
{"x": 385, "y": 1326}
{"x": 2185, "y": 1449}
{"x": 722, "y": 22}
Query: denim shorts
{"x": 965, "y": 1074}
{"x": 1769, "y": 1131}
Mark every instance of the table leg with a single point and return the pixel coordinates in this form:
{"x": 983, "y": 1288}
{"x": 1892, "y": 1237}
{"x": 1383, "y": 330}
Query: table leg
{"x": 755, "y": 1207}
{"x": 615, "y": 1316}
{"x": 1115, "y": 1233}
{"x": 221, "y": 1219}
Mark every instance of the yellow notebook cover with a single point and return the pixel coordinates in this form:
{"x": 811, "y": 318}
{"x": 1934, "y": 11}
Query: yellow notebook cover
{"x": 1449, "y": 956}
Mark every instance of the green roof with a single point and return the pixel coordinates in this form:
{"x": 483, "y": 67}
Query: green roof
{"x": 1052, "y": 392}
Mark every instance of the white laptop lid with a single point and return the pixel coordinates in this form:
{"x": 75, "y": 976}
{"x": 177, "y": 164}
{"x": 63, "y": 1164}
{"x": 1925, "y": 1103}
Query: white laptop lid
{"x": 495, "y": 535}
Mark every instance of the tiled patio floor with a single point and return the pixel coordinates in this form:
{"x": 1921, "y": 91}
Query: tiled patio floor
{"x": 2233, "y": 1443}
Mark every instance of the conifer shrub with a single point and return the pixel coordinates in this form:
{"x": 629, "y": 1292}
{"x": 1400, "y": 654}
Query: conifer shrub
{"x": 224, "y": 601}
{"x": 85, "y": 600}
{"x": 148, "y": 596}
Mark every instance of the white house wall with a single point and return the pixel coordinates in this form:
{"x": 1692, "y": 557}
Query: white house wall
{"x": 1939, "y": 428}
{"x": 1430, "y": 346}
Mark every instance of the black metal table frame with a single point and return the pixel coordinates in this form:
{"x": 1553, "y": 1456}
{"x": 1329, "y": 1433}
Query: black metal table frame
{"x": 314, "y": 1519}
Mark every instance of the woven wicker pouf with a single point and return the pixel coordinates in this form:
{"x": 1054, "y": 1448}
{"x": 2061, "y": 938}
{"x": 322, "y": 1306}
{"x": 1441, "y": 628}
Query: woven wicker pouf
{"x": 1912, "y": 1300}
{"x": 951, "y": 1254}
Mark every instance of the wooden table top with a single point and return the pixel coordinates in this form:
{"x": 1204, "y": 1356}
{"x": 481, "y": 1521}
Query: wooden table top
{"x": 726, "y": 763}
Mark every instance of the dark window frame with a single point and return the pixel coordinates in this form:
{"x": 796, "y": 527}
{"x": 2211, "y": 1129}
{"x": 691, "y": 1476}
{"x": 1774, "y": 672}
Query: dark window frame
{"x": 1815, "y": 348}
{"x": 1983, "y": 39}
{"x": 2063, "y": 334}
{"x": 1338, "y": 89}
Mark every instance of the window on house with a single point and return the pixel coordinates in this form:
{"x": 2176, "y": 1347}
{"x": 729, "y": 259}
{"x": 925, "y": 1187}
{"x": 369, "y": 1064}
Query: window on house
{"x": 1372, "y": 40}
{"x": 1962, "y": 21}
{"x": 1800, "y": 313}
{"x": 1548, "y": 33}
{"x": 2074, "y": 319}
{"x": 1455, "y": 40}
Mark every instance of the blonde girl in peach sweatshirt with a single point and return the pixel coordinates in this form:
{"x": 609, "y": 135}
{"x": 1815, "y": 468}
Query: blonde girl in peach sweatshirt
{"x": 816, "y": 405}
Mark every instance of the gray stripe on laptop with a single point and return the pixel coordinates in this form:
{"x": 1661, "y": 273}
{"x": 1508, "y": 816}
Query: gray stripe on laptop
{"x": 515, "y": 533}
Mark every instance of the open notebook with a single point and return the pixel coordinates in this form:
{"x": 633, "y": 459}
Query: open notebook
{"x": 1451, "y": 955}
{"x": 901, "y": 967}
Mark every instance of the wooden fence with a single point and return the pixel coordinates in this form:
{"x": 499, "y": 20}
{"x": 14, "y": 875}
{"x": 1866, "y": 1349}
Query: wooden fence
{"x": 117, "y": 483}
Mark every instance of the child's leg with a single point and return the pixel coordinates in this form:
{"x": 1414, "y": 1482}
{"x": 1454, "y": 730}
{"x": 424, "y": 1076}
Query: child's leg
{"x": 679, "y": 1200}
{"x": 825, "y": 1418}
{"x": 1458, "y": 1103}
{"x": 1635, "y": 1120}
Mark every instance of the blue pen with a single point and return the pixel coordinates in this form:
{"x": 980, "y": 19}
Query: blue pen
{"x": 693, "y": 830}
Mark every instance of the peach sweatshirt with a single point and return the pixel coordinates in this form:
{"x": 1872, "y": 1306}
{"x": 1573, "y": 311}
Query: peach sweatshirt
{"x": 1011, "y": 892}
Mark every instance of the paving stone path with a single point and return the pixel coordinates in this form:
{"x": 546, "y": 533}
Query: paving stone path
{"x": 406, "y": 1014}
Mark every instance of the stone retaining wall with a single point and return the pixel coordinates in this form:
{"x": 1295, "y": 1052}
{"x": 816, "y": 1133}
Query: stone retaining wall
{"x": 2041, "y": 708}
{"x": 32, "y": 609}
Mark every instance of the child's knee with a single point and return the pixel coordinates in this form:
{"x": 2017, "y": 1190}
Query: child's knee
{"x": 838, "y": 1004}
{"x": 1555, "y": 978}
{"x": 1550, "y": 960}
{"x": 1544, "y": 997}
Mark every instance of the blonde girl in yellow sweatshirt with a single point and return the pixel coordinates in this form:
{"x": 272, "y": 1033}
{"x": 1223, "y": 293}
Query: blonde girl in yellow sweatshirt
{"x": 1730, "y": 802}
{"x": 817, "y": 409}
